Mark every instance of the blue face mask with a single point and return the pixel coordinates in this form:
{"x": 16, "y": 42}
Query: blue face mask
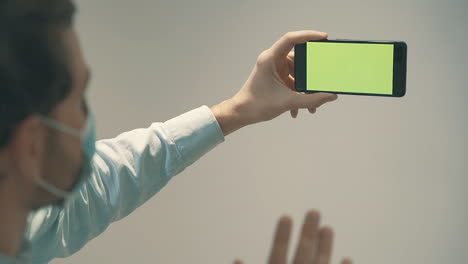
{"x": 88, "y": 144}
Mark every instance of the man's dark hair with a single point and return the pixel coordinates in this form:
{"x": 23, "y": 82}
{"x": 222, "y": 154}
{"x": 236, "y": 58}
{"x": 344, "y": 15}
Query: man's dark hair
{"x": 34, "y": 73}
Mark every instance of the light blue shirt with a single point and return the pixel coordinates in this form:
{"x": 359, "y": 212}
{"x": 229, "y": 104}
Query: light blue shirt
{"x": 128, "y": 170}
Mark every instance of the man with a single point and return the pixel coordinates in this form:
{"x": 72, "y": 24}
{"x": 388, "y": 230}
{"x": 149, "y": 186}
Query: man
{"x": 59, "y": 188}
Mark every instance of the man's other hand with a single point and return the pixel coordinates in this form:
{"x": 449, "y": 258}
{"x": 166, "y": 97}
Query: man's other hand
{"x": 314, "y": 247}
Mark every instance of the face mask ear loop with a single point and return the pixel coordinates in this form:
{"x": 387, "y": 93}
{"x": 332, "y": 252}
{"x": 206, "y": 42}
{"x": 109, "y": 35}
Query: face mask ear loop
{"x": 41, "y": 182}
{"x": 59, "y": 126}
{"x": 86, "y": 127}
{"x": 83, "y": 135}
{"x": 52, "y": 189}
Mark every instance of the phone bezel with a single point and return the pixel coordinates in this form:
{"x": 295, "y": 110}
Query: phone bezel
{"x": 399, "y": 66}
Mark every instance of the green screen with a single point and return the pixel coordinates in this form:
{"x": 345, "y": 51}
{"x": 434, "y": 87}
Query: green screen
{"x": 350, "y": 67}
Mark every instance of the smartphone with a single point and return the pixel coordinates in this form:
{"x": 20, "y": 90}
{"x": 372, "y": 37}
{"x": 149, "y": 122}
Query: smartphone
{"x": 345, "y": 66}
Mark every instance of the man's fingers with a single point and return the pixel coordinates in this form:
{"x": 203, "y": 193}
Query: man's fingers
{"x": 289, "y": 81}
{"x": 279, "y": 251}
{"x": 307, "y": 243}
{"x": 347, "y": 261}
{"x": 315, "y": 100}
{"x": 290, "y": 62}
{"x": 294, "y": 113}
{"x": 325, "y": 246}
{"x": 237, "y": 261}
{"x": 283, "y": 46}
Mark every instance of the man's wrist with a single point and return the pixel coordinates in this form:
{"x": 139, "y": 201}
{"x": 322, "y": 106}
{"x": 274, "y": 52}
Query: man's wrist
{"x": 228, "y": 116}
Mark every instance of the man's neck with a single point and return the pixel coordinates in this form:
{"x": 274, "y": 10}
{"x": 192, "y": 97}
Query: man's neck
{"x": 12, "y": 222}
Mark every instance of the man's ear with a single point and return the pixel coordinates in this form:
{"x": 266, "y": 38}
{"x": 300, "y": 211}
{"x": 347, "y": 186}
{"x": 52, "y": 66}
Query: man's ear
{"x": 27, "y": 148}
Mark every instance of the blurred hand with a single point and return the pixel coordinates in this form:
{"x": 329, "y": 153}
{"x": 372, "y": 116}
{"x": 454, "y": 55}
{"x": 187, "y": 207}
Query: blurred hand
{"x": 269, "y": 90}
{"x": 314, "y": 247}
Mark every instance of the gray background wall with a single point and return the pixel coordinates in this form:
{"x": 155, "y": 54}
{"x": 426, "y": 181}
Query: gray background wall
{"x": 389, "y": 174}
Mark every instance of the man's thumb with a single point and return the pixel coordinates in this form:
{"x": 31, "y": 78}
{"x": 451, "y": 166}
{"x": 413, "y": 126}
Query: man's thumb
{"x": 314, "y": 100}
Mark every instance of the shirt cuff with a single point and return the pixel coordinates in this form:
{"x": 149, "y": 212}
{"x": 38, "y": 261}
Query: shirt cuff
{"x": 195, "y": 133}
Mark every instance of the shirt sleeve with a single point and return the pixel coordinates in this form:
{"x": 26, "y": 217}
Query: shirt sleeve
{"x": 127, "y": 171}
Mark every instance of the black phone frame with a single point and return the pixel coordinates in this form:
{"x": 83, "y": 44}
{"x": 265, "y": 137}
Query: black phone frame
{"x": 399, "y": 66}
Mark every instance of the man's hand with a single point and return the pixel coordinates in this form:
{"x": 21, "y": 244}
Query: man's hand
{"x": 269, "y": 90}
{"x": 315, "y": 245}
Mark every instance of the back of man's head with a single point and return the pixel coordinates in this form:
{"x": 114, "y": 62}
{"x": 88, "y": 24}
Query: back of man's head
{"x": 34, "y": 75}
